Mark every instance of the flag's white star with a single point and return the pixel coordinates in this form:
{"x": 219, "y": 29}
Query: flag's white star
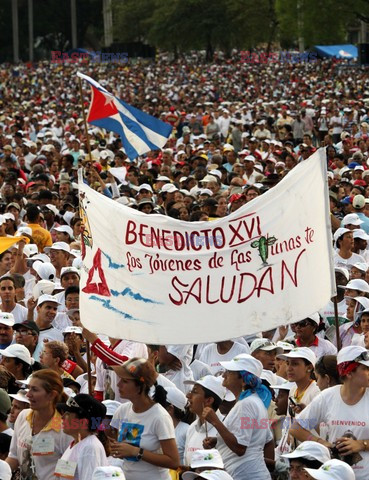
{"x": 109, "y": 100}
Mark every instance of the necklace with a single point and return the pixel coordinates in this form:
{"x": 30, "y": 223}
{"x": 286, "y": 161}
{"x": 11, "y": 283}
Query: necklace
{"x": 298, "y": 395}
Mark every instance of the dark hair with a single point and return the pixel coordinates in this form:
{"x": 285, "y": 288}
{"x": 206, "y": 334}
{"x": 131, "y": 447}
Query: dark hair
{"x": 32, "y": 213}
{"x": 209, "y": 394}
{"x": 5, "y": 443}
{"x": 327, "y": 365}
{"x": 7, "y": 277}
{"x": 1, "y": 257}
{"x": 307, "y": 363}
{"x": 26, "y": 368}
{"x": 19, "y": 280}
{"x": 308, "y": 463}
{"x": 70, "y": 290}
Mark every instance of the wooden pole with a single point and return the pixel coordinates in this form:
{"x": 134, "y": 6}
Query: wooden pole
{"x": 337, "y": 323}
{"x": 88, "y": 351}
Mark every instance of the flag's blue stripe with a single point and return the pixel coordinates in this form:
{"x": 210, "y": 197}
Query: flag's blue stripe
{"x": 113, "y": 125}
{"x": 135, "y": 127}
{"x": 148, "y": 120}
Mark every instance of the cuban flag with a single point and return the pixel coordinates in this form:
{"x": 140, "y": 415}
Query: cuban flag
{"x": 139, "y": 131}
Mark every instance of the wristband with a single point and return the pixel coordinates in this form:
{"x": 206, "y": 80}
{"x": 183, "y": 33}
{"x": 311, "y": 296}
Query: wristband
{"x": 140, "y": 454}
{"x": 365, "y": 443}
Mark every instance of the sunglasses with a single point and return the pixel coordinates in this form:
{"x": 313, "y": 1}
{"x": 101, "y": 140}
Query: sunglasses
{"x": 302, "y": 324}
{"x": 363, "y": 356}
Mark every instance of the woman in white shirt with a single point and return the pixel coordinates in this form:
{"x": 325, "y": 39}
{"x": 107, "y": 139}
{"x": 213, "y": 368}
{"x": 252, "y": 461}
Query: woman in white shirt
{"x": 39, "y": 441}
{"x": 146, "y": 438}
{"x": 244, "y": 435}
{"x": 345, "y": 411}
{"x": 82, "y": 417}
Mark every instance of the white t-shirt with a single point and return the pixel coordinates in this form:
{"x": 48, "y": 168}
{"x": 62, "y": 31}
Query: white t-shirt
{"x": 89, "y": 453}
{"x": 347, "y": 262}
{"x": 181, "y": 432}
{"x": 327, "y": 313}
{"x": 23, "y": 441}
{"x": 61, "y": 321}
{"x": 51, "y": 334}
{"x": 248, "y": 421}
{"x": 107, "y": 379}
{"x": 310, "y": 393}
{"x": 195, "y": 436}
{"x": 20, "y": 313}
{"x": 144, "y": 430}
{"x": 341, "y": 420}
{"x": 199, "y": 369}
{"x": 212, "y": 357}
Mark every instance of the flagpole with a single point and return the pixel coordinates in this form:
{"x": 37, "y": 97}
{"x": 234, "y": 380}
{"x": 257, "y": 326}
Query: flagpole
{"x": 338, "y": 339}
{"x": 84, "y": 119}
{"x": 88, "y": 351}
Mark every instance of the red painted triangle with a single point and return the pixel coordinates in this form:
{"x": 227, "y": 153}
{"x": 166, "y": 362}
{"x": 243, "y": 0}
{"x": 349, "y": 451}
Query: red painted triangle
{"x": 100, "y": 288}
{"x": 100, "y": 106}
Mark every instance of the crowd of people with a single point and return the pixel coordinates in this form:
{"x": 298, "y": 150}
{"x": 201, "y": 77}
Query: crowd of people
{"x": 291, "y": 403}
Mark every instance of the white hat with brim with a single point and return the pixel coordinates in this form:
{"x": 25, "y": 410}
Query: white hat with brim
{"x": 7, "y": 319}
{"x": 208, "y": 475}
{"x": 302, "y": 352}
{"x": 246, "y": 362}
{"x": 339, "y": 232}
{"x": 332, "y": 470}
{"x": 108, "y": 472}
{"x": 206, "y": 459}
{"x": 58, "y": 246}
{"x": 353, "y": 353}
{"x": 284, "y": 386}
{"x": 356, "y": 284}
{"x": 20, "y": 396}
{"x": 310, "y": 451}
{"x": 211, "y": 383}
{"x": 176, "y": 398}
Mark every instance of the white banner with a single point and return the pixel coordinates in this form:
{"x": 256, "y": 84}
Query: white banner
{"x": 153, "y": 279}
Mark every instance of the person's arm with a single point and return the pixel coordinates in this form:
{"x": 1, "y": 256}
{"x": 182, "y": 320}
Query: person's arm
{"x": 13, "y": 463}
{"x": 20, "y": 264}
{"x": 113, "y": 185}
{"x": 31, "y": 305}
{"x": 269, "y": 451}
{"x": 106, "y": 354}
{"x": 168, "y": 459}
{"x": 300, "y": 433}
{"x": 230, "y": 440}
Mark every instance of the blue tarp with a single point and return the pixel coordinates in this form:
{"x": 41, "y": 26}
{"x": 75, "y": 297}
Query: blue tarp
{"x": 339, "y": 51}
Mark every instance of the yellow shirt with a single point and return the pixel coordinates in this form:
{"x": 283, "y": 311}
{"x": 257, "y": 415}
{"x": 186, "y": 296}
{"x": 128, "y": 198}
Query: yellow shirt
{"x": 41, "y": 236}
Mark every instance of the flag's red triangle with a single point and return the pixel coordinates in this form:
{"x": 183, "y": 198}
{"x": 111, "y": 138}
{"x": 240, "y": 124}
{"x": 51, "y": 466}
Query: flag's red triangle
{"x": 100, "y": 288}
{"x": 102, "y": 106}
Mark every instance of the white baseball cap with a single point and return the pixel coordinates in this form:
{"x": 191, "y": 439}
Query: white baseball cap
{"x": 176, "y": 398}
{"x": 339, "y": 232}
{"x": 65, "y": 229}
{"x": 47, "y": 298}
{"x": 264, "y": 344}
{"x": 208, "y": 475}
{"x": 356, "y": 284}
{"x": 109, "y": 472}
{"x": 244, "y": 361}
{"x": 7, "y": 319}
{"x": 44, "y": 270}
{"x": 211, "y": 383}
{"x": 344, "y": 272}
{"x": 207, "y": 458}
{"x": 43, "y": 287}
{"x": 352, "y": 219}
{"x": 285, "y": 346}
{"x": 332, "y": 470}
{"x": 353, "y": 353}
{"x": 314, "y": 317}
{"x": 53, "y": 208}
{"x": 58, "y": 246}
{"x": 145, "y": 186}
{"x": 283, "y": 386}
{"x": 358, "y": 233}
{"x": 18, "y": 351}
{"x": 168, "y": 187}
{"x": 65, "y": 270}
{"x": 30, "y": 249}
{"x": 363, "y": 267}
{"x": 20, "y": 396}
{"x": 301, "y": 352}
{"x": 23, "y": 231}
{"x": 310, "y": 451}
{"x": 71, "y": 329}
{"x": 111, "y": 406}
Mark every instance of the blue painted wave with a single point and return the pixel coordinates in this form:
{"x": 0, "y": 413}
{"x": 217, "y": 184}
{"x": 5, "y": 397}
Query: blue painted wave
{"x": 136, "y": 296}
{"x": 112, "y": 264}
{"x": 106, "y": 303}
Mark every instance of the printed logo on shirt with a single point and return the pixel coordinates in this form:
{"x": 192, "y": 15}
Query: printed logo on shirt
{"x": 132, "y": 434}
